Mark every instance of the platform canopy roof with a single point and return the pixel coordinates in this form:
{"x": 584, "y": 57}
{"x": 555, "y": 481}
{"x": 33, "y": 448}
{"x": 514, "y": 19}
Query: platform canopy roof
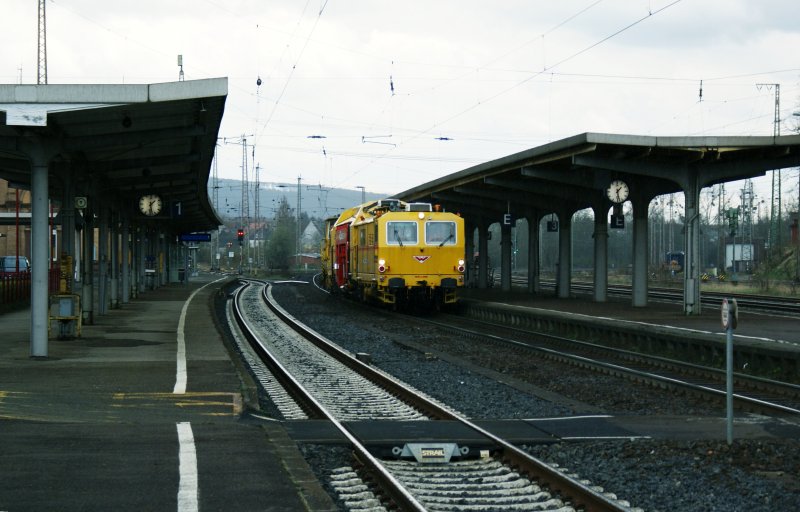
{"x": 574, "y": 173}
{"x": 115, "y": 143}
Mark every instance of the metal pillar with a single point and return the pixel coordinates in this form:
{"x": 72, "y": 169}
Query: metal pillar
{"x": 691, "y": 268}
{"x": 640, "y": 225}
{"x": 564, "y": 276}
{"x": 505, "y": 257}
{"x": 600, "y": 252}
{"x": 40, "y": 252}
{"x": 126, "y": 260}
{"x": 534, "y": 241}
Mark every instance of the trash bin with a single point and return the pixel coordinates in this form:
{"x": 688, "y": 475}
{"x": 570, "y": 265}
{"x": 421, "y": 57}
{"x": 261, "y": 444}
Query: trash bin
{"x": 181, "y": 275}
{"x": 150, "y": 279}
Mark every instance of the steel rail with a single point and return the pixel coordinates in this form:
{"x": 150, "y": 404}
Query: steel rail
{"x": 398, "y": 494}
{"x": 582, "y": 496}
{"x": 760, "y": 303}
{"x": 740, "y": 399}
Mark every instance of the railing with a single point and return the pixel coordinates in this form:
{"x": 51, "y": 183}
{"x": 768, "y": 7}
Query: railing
{"x": 15, "y": 289}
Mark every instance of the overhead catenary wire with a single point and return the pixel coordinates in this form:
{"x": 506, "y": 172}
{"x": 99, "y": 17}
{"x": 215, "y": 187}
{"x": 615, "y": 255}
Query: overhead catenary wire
{"x": 494, "y": 96}
{"x": 294, "y": 67}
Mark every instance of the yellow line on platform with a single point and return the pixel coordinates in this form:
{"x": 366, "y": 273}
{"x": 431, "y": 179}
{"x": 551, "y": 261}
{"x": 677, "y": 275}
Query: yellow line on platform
{"x": 166, "y": 395}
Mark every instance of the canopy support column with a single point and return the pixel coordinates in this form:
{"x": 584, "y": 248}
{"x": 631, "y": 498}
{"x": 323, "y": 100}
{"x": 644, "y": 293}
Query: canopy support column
{"x": 126, "y": 260}
{"x": 534, "y": 285}
{"x": 600, "y": 253}
{"x": 483, "y": 254}
{"x": 505, "y": 257}
{"x": 102, "y": 263}
{"x": 40, "y": 251}
{"x": 691, "y": 270}
{"x": 564, "y": 276}
{"x": 469, "y": 252}
{"x": 639, "y": 278}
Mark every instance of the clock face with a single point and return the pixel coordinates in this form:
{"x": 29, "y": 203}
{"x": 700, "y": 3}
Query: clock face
{"x": 618, "y": 191}
{"x": 150, "y": 205}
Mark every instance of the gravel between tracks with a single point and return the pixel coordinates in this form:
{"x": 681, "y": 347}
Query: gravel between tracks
{"x": 751, "y": 475}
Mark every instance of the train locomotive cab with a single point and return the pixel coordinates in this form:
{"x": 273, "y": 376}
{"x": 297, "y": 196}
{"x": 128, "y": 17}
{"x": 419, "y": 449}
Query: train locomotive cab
{"x": 397, "y": 253}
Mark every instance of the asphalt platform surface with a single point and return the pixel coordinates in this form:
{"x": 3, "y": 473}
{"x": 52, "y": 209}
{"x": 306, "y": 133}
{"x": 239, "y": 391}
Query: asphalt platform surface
{"x": 100, "y": 424}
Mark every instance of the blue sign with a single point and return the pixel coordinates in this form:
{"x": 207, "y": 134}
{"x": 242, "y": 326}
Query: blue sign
{"x": 195, "y": 237}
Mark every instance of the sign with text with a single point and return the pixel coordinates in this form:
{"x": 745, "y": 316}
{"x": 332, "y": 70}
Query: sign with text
{"x": 195, "y": 237}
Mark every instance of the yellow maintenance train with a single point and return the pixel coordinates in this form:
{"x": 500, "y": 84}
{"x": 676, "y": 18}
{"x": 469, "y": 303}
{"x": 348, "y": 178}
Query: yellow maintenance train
{"x": 397, "y": 253}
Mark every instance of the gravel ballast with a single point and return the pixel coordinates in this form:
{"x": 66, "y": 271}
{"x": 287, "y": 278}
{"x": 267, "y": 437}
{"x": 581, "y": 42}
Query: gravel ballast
{"x": 657, "y": 475}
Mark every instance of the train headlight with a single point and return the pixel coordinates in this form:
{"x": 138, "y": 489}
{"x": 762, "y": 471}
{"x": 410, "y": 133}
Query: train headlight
{"x": 382, "y": 266}
{"x": 460, "y": 266}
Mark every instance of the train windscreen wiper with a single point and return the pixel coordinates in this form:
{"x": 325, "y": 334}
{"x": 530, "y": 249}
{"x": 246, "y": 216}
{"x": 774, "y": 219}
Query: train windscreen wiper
{"x": 397, "y": 237}
{"x": 449, "y": 237}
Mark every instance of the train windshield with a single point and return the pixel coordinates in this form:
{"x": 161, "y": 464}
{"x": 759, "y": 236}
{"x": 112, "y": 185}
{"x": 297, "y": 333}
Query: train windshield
{"x": 401, "y": 233}
{"x": 440, "y": 233}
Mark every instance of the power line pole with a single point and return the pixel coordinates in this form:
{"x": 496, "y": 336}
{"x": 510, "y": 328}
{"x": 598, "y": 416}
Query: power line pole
{"x": 215, "y": 200}
{"x": 775, "y": 244}
{"x": 244, "y": 204}
{"x": 257, "y": 225}
{"x": 747, "y": 224}
{"x": 245, "y": 213}
{"x": 41, "y": 74}
{"x": 299, "y": 229}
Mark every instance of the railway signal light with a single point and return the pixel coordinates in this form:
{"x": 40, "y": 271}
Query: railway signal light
{"x": 240, "y": 235}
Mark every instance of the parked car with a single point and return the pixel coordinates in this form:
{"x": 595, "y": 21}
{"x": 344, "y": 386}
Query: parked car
{"x": 11, "y": 265}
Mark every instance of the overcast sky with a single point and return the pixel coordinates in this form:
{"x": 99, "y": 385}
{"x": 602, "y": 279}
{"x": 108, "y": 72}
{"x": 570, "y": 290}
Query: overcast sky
{"x": 389, "y": 95}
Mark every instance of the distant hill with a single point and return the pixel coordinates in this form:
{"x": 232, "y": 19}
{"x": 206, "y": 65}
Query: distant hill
{"x": 316, "y": 201}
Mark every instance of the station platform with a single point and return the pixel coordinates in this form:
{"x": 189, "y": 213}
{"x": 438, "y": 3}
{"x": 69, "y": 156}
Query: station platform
{"x": 103, "y": 423}
{"x": 766, "y": 345}
{"x": 752, "y": 325}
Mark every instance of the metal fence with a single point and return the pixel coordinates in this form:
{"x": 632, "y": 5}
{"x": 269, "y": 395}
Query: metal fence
{"x": 15, "y": 289}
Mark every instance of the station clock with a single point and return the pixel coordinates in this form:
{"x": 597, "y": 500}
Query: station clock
{"x": 618, "y": 191}
{"x": 150, "y": 204}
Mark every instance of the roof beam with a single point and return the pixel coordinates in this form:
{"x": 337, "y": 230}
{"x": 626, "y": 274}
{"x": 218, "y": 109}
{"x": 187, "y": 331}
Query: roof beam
{"x": 553, "y": 193}
{"x": 112, "y": 166}
{"x": 525, "y": 198}
{"x": 576, "y": 178}
{"x": 133, "y": 140}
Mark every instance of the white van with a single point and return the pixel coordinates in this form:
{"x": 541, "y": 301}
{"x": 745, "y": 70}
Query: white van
{"x": 8, "y": 265}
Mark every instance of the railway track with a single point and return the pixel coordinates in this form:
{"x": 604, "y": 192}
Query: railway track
{"x": 754, "y": 394}
{"x": 332, "y": 384}
{"x": 753, "y": 303}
